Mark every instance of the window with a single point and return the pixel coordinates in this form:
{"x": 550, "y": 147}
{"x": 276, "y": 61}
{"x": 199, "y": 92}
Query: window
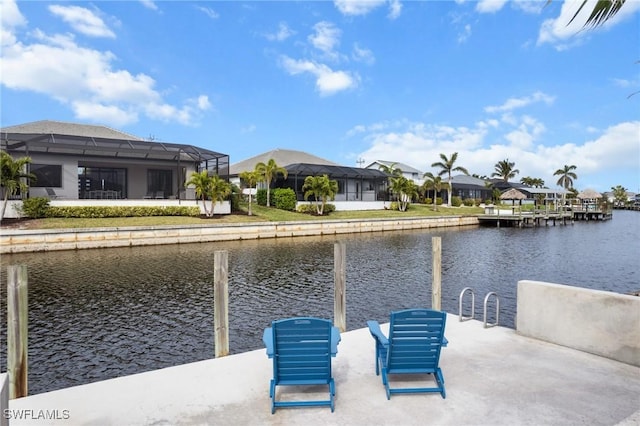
{"x": 93, "y": 180}
{"x": 159, "y": 183}
{"x": 47, "y": 175}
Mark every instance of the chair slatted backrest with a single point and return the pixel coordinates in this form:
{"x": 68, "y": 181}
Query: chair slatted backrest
{"x": 415, "y": 340}
{"x": 302, "y": 350}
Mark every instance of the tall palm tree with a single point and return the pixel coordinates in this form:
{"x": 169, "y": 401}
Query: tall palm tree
{"x": 435, "y": 183}
{"x": 447, "y": 166}
{"x": 13, "y": 177}
{"x": 567, "y": 176}
{"x": 322, "y": 188}
{"x": 269, "y": 172}
{"x": 250, "y": 178}
{"x": 504, "y": 170}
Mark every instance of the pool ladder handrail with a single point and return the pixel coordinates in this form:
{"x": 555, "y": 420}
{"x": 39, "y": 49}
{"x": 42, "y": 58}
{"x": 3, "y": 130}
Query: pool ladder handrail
{"x": 473, "y": 304}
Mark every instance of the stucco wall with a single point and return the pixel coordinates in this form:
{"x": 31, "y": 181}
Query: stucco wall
{"x": 594, "y": 321}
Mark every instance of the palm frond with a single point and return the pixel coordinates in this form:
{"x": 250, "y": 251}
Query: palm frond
{"x": 601, "y": 13}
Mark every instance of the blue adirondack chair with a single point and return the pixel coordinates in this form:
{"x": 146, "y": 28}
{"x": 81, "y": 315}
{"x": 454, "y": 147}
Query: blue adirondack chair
{"x": 413, "y": 347}
{"x": 301, "y": 349}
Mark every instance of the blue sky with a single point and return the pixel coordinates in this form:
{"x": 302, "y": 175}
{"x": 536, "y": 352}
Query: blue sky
{"x": 347, "y": 81}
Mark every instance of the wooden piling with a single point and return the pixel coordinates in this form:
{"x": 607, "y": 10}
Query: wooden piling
{"x": 436, "y": 286}
{"x": 17, "y": 329}
{"x": 221, "y": 302}
{"x": 339, "y": 294}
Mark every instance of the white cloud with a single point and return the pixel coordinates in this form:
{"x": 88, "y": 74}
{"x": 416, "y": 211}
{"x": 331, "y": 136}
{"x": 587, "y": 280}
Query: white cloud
{"x": 395, "y": 8}
{"x": 362, "y": 55}
{"x": 564, "y": 33}
{"x": 465, "y": 34}
{"x": 209, "y": 12}
{"x": 328, "y": 81}
{"x": 283, "y": 33}
{"x": 149, "y": 4}
{"x": 357, "y": 7}
{"x": 10, "y": 19}
{"x": 419, "y": 145}
{"x": 82, "y": 20}
{"x": 516, "y": 103}
{"x": 489, "y": 6}
{"x": 86, "y": 80}
{"x": 325, "y": 38}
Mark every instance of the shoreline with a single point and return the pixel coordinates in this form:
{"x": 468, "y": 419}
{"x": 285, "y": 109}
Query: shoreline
{"x": 29, "y": 241}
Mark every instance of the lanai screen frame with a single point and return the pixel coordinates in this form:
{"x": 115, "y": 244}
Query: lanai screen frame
{"x": 116, "y": 149}
{"x": 299, "y": 171}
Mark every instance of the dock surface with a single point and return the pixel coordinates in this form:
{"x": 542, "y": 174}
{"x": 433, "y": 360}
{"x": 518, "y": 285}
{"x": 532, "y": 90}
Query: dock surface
{"x": 493, "y": 376}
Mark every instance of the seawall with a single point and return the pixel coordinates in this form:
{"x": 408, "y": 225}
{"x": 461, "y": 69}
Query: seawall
{"x": 22, "y": 241}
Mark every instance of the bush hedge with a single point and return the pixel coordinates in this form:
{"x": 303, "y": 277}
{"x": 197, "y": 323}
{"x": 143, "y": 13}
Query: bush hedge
{"x": 121, "y": 211}
{"x": 35, "y": 208}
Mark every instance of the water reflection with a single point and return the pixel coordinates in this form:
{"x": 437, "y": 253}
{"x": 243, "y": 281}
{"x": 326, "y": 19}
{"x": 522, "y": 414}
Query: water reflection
{"x": 97, "y": 314}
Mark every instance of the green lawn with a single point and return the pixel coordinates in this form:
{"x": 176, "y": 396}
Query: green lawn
{"x": 260, "y": 214}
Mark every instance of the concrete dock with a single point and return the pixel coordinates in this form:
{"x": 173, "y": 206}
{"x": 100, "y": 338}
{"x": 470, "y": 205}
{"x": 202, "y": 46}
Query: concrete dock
{"x": 493, "y": 376}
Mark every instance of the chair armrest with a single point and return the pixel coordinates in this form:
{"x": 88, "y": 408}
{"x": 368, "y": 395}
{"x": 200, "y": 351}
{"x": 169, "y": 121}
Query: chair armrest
{"x": 376, "y": 332}
{"x": 335, "y": 339}
{"x": 267, "y": 339}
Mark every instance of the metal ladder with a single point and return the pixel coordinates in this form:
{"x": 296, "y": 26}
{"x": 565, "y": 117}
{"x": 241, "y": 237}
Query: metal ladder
{"x": 473, "y": 304}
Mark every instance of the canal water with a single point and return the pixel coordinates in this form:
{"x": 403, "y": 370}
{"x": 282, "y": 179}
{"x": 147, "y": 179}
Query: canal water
{"x": 103, "y": 313}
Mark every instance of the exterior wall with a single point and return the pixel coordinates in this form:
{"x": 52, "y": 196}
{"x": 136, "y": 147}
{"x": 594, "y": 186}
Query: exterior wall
{"x": 69, "y": 165}
{"x": 20, "y": 241}
{"x": 599, "y": 322}
{"x": 136, "y": 174}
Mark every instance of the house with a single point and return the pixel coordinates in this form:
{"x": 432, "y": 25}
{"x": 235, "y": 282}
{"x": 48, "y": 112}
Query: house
{"x": 465, "y": 187}
{"x": 408, "y": 172}
{"x": 358, "y": 188}
{"x": 80, "y": 161}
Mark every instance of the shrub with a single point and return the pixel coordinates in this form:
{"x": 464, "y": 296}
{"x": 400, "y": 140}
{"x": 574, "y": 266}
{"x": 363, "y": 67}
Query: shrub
{"x": 311, "y": 209}
{"x": 261, "y": 197}
{"x": 428, "y": 200}
{"x": 284, "y": 199}
{"x": 469, "y": 202}
{"x": 456, "y": 201}
{"x": 121, "y": 211}
{"x": 439, "y": 201}
{"x": 306, "y": 208}
{"x": 35, "y": 207}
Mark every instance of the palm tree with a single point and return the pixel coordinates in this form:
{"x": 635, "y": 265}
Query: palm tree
{"x": 13, "y": 177}
{"x": 250, "y": 178}
{"x": 620, "y": 197}
{"x": 391, "y": 170}
{"x": 504, "y": 170}
{"x": 533, "y": 182}
{"x": 447, "y": 166}
{"x": 435, "y": 183}
{"x": 268, "y": 173}
{"x": 405, "y": 189}
{"x": 209, "y": 186}
{"x": 322, "y": 188}
{"x": 219, "y": 189}
{"x": 567, "y": 176}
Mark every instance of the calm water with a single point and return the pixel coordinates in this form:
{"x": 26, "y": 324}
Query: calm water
{"x": 98, "y": 314}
